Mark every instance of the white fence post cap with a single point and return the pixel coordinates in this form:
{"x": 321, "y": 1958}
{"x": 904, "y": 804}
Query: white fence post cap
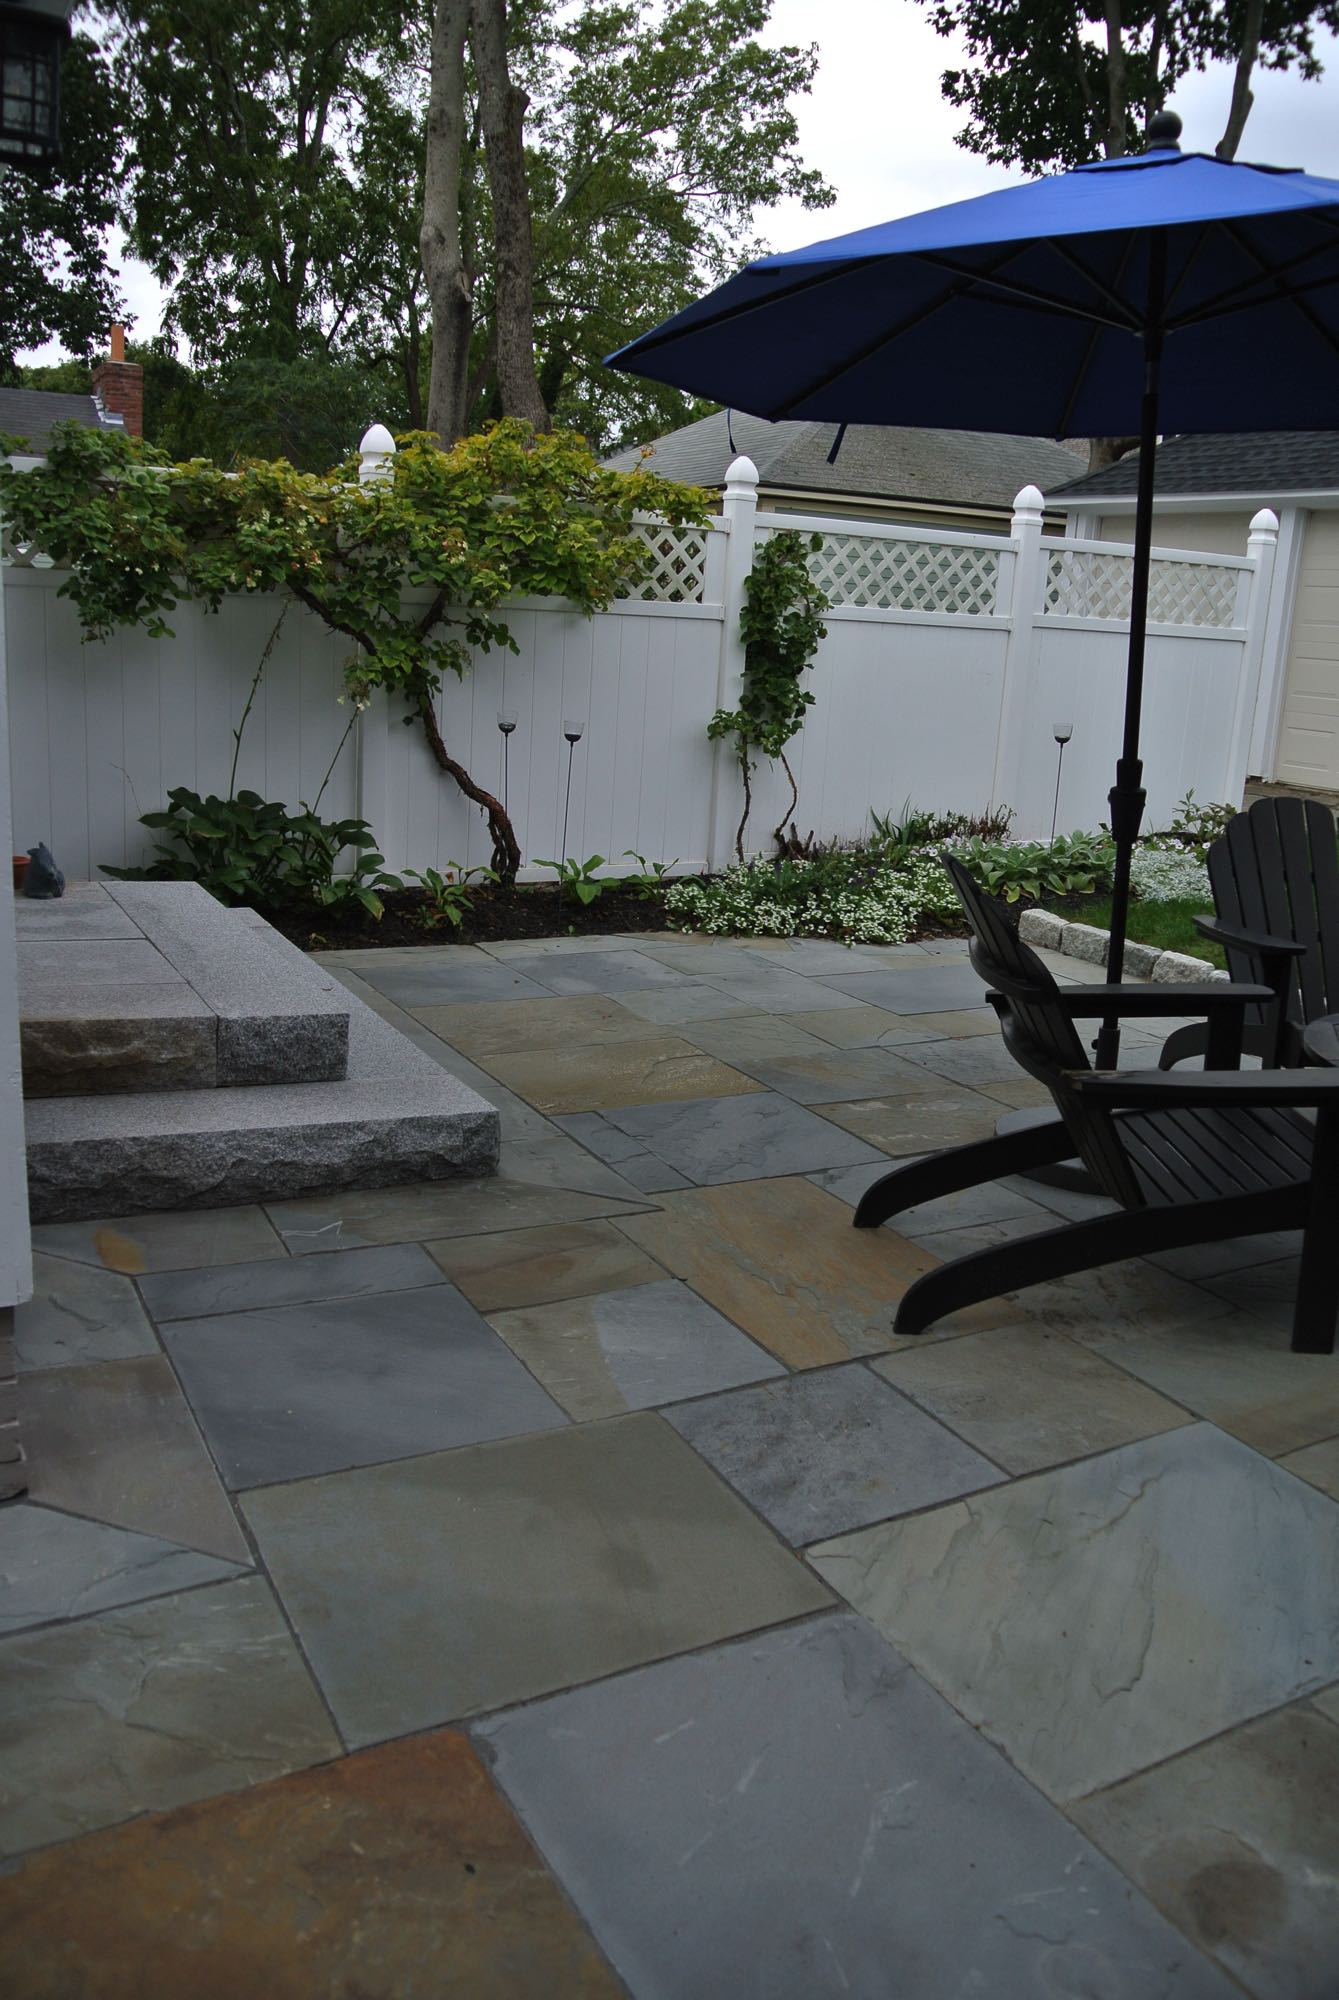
{"x": 376, "y": 449}
{"x": 1029, "y": 501}
{"x": 741, "y": 476}
{"x": 1266, "y": 522}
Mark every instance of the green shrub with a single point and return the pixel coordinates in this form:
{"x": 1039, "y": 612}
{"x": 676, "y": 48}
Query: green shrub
{"x": 252, "y": 850}
{"x": 1074, "y": 864}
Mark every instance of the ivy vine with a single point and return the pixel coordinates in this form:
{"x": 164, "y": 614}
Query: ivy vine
{"x": 781, "y": 626}
{"x": 413, "y": 570}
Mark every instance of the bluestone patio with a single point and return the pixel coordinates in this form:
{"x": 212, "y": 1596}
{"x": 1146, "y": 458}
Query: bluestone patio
{"x": 565, "y": 1584}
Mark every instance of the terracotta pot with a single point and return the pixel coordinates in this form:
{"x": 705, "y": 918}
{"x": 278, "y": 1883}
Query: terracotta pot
{"x": 20, "y": 873}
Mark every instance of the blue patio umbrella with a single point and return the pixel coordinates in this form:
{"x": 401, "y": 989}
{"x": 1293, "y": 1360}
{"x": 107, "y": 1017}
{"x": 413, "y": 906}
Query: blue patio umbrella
{"x": 1163, "y": 291}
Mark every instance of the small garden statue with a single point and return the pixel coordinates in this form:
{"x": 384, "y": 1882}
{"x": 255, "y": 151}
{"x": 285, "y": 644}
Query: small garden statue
{"x": 43, "y": 879}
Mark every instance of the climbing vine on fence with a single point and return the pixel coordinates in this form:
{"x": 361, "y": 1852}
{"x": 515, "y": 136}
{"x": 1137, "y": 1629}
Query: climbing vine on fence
{"x": 781, "y": 626}
{"x": 413, "y": 570}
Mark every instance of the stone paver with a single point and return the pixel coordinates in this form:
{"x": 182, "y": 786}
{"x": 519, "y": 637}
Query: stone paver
{"x": 148, "y": 1707}
{"x": 163, "y": 1242}
{"x": 298, "y": 1390}
{"x": 1318, "y": 1464}
{"x": 288, "y": 1281}
{"x": 1100, "y": 1618}
{"x": 55, "y": 1566}
{"x": 527, "y": 1267}
{"x": 1238, "y": 1843}
{"x": 656, "y": 1070}
{"x": 117, "y": 1443}
{"x": 822, "y": 1453}
{"x": 1029, "y": 1397}
{"x": 396, "y": 1874}
{"x": 630, "y": 1350}
{"x": 740, "y": 1138}
{"x": 815, "y": 1806}
{"x": 315, "y": 1223}
{"x": 779, "y": 1258}
{"x": 79, "y": 1313}
{"x": 443, "y": 1586}
{"x": 597, "y": 972}
{"x": 483, "y": 1029}
{"x": 916, "y": 1121}
{"x": 1022, "y": 1500}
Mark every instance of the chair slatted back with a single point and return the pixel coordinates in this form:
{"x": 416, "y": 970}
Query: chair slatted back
{"x": 1040, "y": 1035}
{"x": 1277, "y": 870}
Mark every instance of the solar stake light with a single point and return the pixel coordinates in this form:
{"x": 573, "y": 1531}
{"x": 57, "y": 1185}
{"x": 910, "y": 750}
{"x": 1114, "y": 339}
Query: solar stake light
{"x": 31, "y": 41}
{"x": 506, "y": 722}
{"x": 573, "y": 730}
{"x": 1062, "y": 731}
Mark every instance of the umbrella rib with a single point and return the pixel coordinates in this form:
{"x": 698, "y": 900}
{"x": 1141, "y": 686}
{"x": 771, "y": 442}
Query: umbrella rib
{"x": 1089, "y": 347}
{"x": 1091, "y": 277}
{"x": 1235, "y": 298}
{"x": 1292, "y": 292}
{"x": 1032, "y": 294}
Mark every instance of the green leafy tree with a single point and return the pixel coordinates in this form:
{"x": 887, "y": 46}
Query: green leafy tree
{"x": 1051, "y": 83}
{"x": 275, "y": 183}
{"x": 55, "y": 280}
{"x": 504, "y": 514}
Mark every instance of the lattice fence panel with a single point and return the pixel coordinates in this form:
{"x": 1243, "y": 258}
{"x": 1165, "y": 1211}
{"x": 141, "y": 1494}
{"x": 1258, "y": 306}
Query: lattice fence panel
{"x": 866, "y": 572}
{"x": 678, "y": 567}
{"x": 1091, "y": 583}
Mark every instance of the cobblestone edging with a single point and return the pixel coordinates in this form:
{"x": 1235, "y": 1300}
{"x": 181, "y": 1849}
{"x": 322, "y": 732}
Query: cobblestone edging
{"x": 1142, "y": 961}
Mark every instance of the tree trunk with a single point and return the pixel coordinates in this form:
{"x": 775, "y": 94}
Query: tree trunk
{"x": 1114, "y": 144}
{"x": 1103, "y": 452}
{"x": 502, "y": 106}
{"x": 439, "y": 237}
{"x": 1242, "y": 98}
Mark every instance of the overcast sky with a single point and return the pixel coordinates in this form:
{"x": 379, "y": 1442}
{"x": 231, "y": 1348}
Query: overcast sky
{"x": 879, "y": 130}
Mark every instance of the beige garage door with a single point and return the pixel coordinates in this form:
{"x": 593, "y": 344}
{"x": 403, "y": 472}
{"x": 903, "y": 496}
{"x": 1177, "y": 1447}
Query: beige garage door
{"x": 1309, "y": 739}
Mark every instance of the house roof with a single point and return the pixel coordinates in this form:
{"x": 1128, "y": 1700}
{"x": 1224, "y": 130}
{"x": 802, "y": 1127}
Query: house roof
{"x": 877, "y": 461}
{"x": 30, "y": 413}
{"x": 1255, "y": 462}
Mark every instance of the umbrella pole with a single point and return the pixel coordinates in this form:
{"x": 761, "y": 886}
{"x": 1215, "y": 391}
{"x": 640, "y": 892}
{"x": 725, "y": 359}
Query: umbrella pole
{"x": 1127, "y": 796}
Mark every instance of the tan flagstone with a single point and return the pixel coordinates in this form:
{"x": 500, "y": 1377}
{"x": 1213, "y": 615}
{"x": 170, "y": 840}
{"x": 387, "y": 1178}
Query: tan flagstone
{"x": 916, "y": 1121}
{"x": 1318, "y": 1464}
{"x": 525, "y": 1267}
{"x": 578, "y": 1020}
{"x": 780, "y": 1258}
{"x": 657, "y": 1070}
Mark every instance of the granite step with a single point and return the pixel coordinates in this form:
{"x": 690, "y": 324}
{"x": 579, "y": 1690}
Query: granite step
{"x": 396, "y": 1116}
{"x": 148, "y": 986}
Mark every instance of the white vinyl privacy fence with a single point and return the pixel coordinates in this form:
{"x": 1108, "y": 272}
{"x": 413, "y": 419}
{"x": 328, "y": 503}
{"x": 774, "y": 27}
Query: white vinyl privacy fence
{"x": 947, "y": 660}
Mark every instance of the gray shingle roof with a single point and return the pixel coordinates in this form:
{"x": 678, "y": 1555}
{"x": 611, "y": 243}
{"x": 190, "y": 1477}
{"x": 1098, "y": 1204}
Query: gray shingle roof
{"x": 1260, "y": 463}
{"x": 876, "y": 461}
{"x": 30, "y": 413}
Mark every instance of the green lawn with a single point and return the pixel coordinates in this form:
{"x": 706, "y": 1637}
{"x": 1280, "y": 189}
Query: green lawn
{"x": 1169, "y": 926}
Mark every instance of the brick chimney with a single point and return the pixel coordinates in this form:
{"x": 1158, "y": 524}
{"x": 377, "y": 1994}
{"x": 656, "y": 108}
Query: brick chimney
{"x": 118, "y": 386}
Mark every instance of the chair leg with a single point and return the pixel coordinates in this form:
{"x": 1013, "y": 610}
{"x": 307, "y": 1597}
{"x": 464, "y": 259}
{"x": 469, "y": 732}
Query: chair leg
{"x": 961, "y": 1167}
{"x": 1084, "y": 1246}
{"x": 1318, "y": 1280}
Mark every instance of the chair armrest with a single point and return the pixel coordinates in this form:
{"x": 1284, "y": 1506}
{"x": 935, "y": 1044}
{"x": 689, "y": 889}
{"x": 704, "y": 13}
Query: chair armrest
{"x": 1248, "y": 1090}
{"x": 1259, "y": 942}
{"x": 1081, "y": 1001}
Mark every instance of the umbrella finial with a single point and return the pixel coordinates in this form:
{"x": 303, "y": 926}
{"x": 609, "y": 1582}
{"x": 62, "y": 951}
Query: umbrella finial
{"x": 1164, "y": 130}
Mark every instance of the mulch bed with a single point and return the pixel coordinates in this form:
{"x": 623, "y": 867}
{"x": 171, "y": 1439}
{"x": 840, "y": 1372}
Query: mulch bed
{"x": 530, "y": 911}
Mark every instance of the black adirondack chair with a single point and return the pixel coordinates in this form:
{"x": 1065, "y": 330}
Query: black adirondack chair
{"x": 1275, "y": 881}
{"x": 1190, "y": 1158}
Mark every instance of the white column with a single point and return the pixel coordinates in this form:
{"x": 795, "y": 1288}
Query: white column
{"x": 1262, "y": 549}
{"x": 739, "y": 514}
{"x": 1022, "y": 610}
{"x": 16, "y": 1263}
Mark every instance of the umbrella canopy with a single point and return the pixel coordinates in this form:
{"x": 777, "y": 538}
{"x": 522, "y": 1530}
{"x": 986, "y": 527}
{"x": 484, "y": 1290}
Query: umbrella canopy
{"x": 1062, "y": 279}
{"x": 1166, "y": 289}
